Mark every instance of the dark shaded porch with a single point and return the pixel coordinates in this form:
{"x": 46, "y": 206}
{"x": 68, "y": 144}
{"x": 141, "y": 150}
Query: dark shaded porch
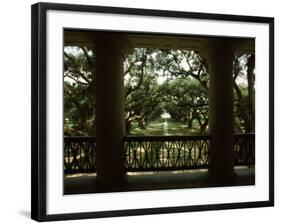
{"x": 139, "y": 181}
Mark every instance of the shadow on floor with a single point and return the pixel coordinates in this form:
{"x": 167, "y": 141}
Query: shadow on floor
{"x": 140, "y": 181}
{"x": 24, "y": 213}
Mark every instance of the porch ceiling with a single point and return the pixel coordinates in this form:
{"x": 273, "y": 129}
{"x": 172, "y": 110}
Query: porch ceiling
{"x": 191, "y": 42}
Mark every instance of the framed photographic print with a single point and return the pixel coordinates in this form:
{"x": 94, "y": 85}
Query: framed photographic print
{"x": 139, "y": 111}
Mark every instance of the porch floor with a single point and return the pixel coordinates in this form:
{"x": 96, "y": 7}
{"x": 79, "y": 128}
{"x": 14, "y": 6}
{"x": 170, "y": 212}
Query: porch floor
{"x": 139, "y": 181}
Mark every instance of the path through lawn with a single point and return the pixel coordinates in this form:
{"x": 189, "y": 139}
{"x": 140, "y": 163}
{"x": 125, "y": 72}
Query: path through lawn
{"x": 156, "y": 128}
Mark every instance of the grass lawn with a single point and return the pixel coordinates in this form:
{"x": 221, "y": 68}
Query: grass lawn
{"x": 156, "y": 127}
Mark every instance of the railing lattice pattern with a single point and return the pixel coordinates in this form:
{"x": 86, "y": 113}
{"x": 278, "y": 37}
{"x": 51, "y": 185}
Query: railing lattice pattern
{"x": 156, "y": 153}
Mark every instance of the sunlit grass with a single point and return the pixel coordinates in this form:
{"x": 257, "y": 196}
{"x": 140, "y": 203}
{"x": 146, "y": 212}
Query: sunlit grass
{"x": 156, "y": 127}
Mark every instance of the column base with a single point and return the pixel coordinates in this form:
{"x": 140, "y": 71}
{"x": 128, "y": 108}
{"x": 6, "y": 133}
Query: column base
{"x": 219, "y": 179}
{"x": 105, "y": 185}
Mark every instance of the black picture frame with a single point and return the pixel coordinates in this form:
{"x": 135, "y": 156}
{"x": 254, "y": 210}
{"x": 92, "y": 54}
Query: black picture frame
{"x": 38, "y": 110}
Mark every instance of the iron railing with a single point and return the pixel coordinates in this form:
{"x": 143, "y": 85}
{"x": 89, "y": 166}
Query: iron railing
{"x": 153, "y": 153}
{"x": 156, "y": 153}
{"x": 244, "y": 149}
{"x": 79, "y": 154}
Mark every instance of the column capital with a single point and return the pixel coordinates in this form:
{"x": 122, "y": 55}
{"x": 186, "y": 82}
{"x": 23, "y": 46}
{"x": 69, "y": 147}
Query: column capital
{"x": 114, "y": 41}
{"x": 237, "y": 46}
{"x": 218, "y": 45}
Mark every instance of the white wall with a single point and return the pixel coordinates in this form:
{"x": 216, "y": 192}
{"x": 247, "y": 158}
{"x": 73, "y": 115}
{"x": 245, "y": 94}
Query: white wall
{"x": 15, "y": 110}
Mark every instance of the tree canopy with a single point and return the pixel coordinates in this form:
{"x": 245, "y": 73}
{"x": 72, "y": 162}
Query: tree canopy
{"x": 155, "y": 80}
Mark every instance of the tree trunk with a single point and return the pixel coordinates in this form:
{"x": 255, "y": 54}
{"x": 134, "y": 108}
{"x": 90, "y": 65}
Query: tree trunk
{"x": 128, "y": 126}
{"x": 141, "y": 123}
{"x": 189, "y": 123}
{"x": 203, "y": 126}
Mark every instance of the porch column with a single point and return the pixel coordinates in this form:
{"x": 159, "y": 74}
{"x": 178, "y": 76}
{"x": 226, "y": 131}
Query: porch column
{"x": 251, "y": 92}
{"x": 221, "y": 115}
{"x": 110, "y": 129}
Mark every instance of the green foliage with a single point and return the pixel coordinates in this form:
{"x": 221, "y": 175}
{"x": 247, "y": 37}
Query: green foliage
{"x": 79, "y": 88}
{"x": 187, "y": 101}
{"x": 155, "y": 80}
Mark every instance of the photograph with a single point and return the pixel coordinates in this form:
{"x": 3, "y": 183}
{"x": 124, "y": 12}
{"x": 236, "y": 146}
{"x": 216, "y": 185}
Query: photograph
{"x": 144, "y": 111}
{"x": 149, "y": 111}
{"x": 140, "y": 112}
